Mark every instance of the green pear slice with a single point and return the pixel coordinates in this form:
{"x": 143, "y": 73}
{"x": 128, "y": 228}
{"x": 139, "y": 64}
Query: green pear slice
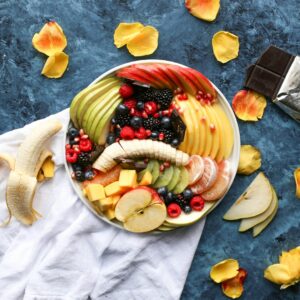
{"x": 165, "y": 228}
{"x": 183, "y": 181}
{"x": 164, "y": 178}
{"x": 155, "y": 171}
{"x": 175, "y": 179}
{"x": 254, "y": 201}
{"x": 257, "y": 229}
{"x": 251, "y": 222}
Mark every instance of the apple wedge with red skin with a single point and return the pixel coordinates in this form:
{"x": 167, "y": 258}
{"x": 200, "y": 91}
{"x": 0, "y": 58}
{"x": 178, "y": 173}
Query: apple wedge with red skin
{"x": 141, "y": 210}
{"x": 163, "y": 69}
{"x": 220, "y": 186}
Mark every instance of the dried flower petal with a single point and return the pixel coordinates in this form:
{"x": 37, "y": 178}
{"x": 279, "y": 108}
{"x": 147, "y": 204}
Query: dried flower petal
{"x": 125, "y": 32}
{"x": 224, "y": 270}
{"x": 249, "y": 105}
{"x": 250, "y": 160}
{"x": 50, "y": 40}
{"x": 145, "y": 43}
{"x": 56, "y": 65}
{"x": 225, "y": 46}
{"x": 203, "y": 9}
{"x": 297, "y": 181}
{"x": 233, "y": 288}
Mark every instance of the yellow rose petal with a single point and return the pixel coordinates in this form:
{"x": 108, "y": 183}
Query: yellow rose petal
{"x": 125, "y": 32}
{"x": 56, "y": 65}
{"x": 50, "y": 40}
{"x": 250, "y": 160}
{"x": 297, "y": 181}
{"x": 145, "y": 43}
{"x": 225, "y": 46}
{"x": 206, "y": 10}
{"x": 278, "y": 273}
{"x": 224, "y": 270}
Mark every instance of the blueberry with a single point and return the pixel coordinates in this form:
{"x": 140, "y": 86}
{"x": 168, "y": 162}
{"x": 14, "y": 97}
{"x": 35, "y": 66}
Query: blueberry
{"x": 76, "y": 167}
{"x": 187, "y": 209}
{"x": 165, "y": 122}
{"x": 122, "y": 109}
{"x": 175, "y": 142}
{"x": 73, "y": 132}
{"x": 113, "y": 121}
{"x": 72, "y": 143}
{"x": 89, "y": 175}
{"x": 140, "y": 105}
{"x": 110, "y": 139}
{"x": 187, "y": 194}
{"x": 79, "y": 175}
{"x": 162, "y": 191}
{"x": 136, "y": 122}
{"x": 170, "y": 197}
{"x": 154, "y": 135}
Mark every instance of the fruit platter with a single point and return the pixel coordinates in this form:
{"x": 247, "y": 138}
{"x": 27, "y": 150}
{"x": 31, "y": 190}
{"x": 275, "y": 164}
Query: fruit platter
{"x": 152, "y": 146}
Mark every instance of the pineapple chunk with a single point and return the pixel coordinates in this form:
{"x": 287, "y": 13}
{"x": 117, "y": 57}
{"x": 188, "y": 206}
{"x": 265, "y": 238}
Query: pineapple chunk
{"x": 115, "y": 198}
{"x": 105, "y": 203}
{"x": 110, "y": 214}
{"x": 114, "y": 189}
{"x": 95, "y": 192}
{"x": 128, "y": 178}
{"x": 146, "y": 179}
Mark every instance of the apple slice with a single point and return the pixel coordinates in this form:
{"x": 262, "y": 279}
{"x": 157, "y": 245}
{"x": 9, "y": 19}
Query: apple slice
{"x": 221, "y": 185}
{"x": 254, "y": 201}
{"x": 141, "y": 210}
{"x": 195, "y": 168}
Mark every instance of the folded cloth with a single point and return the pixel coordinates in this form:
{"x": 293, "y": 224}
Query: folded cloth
{"x": 71, "y": 254}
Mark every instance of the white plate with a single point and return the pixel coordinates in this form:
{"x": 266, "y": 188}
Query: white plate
{"x": 234, "y": 157}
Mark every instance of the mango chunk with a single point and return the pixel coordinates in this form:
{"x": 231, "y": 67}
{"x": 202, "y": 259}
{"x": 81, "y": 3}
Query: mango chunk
{"x": 95, "y": 192}
{"x": 115, "y": 199}
{"x": 128, "y": 178}
{"x": 105, "y": 203}
{"x": 110, "y": 214}
{"x": 114, "y": 189}
{"x": 146, "y": 179}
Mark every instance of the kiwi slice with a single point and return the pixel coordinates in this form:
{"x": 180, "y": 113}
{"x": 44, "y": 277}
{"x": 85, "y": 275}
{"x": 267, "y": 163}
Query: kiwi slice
{"x": 148, "y": 168}
{"x": 183, "y": 181}
{"x": 164, "y": 178}
{"x": 155, "y": 171}
{"x": 175, "y": 178}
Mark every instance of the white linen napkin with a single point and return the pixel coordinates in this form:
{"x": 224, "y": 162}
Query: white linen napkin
{"x": 70, "y": 254}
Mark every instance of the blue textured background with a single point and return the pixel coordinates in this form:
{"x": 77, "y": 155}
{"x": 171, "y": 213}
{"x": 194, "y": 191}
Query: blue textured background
{"x": 25, "y": 96}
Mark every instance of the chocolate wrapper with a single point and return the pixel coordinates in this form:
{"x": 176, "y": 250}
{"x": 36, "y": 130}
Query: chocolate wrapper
{"x": 288, "y": 97}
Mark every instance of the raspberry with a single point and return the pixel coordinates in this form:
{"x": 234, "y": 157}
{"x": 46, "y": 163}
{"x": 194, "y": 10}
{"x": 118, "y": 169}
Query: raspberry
{"x": 130, "y": 103}
{"x": 174, "y": 210}
{"x": 127, "y": 133}
{"x": 150, "y": 107}
{"x": 126, "y": 91}
{"x": 141, "y": 133}
{"x": 197, "y": 203}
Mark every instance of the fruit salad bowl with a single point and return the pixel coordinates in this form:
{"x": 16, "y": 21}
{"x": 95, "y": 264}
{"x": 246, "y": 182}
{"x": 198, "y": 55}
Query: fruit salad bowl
{"x": 152, "y": 146}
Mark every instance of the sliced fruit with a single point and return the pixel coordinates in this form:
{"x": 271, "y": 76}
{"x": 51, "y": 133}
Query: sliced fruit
{"x": 257, "y": 229}
{"x": 128, "y": 178}
{"x": 183, "y": 182}
{"x": 250, "y": 160}
{"x": 206, "y": 10}
{"x": 195, "y": 168}
{"x": 148, "y": 169}
{"x": 175, "y": 178}
{"x": 209, "y": 134}
{"x": 208, "y": 178}
{"x": 155, "y": 171}
{"x": 193, "y": 115}
{"x": 224, "y": 270}
{"x": 254, "y": 201}
{"x": 165, "y": 228}
{"x": 251, "y": 222}
{"x": 146, "y": 179}
{"x": 164, "y": 178}
{"x": 297, "y": 181}
{"x": 188, "y": 84}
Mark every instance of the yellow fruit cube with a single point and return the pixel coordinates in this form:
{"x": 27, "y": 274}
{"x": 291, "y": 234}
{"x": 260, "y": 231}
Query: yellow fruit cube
{"x": 128, "y": 178}
{"x": 40, "y": 176}
{"x": 115, "y": 199}
{"x": 114, "y": 189}
{"x": 146, "y": 179}
{"x": 48, "y": 168}
{"x": 95, "y": 192}
{"x": 110, "y": 214}
{"x": 105, "y": 203}
{"x": 84, "y": 192}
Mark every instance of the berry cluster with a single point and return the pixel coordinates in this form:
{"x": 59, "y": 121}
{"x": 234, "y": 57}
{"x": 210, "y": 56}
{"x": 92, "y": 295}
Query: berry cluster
{"x": 79, "y": 153}
{"x": 144, "y": 113}
{"x": 176, "y": 203}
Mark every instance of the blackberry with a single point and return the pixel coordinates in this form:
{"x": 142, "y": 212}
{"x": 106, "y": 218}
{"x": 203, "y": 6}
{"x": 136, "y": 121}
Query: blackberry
{"x": 151, "y": 123}
{"x": 168, "y": 135}
{"x": 123, "y": 120}
{"x": 79, "y": 176}
{"x": 181, "y": 202}
{"x": 84, "y": 159}
{"x": 144, "y": 94}
{"x": 163, "y": 97}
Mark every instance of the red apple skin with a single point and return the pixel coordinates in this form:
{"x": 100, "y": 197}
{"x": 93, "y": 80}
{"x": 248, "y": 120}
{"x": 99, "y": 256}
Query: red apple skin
{"x": 155, "y": 196}
{"x": 136, "y": 74}
{"x": 162, "y": 69}
{"x": 182, "y": 74}
{"x": 168, "y": 70}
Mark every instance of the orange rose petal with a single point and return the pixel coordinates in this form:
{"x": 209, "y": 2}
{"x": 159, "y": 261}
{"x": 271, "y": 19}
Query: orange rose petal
{"x": 233, "y": 288}
{"x": 206, "y": 10}
{"x": 50, "y": 39}
{"x": 125, "y": 32}
{"x": 145, "y": 43}
{"x": 249, "y": 105}
{"x": 56, "y": 65}
{"x": 297, "y": 180}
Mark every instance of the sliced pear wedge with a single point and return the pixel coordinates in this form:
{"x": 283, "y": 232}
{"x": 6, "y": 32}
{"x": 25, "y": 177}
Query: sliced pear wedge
{"x": 254, "y": 201}
{"x": 251, "y": 222}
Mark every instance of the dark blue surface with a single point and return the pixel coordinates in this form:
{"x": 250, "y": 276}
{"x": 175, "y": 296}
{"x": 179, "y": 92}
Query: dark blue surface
{"x": 25, "y": 96}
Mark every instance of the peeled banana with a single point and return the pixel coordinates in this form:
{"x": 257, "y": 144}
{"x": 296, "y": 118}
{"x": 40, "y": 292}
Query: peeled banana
{"x": 22, "y": 180}
{"x": 139, "y": 148}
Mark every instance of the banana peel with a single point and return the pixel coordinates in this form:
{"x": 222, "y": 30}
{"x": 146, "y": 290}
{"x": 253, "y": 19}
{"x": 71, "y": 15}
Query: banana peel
{"x": 33, "y": 164}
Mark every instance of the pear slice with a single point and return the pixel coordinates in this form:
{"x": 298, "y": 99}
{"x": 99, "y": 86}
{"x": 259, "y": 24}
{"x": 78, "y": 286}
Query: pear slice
{"x": 183, "y": 181}
{"x": 164, "y": 178}
{"x": 155, "y": 171}
{"x": 254, "y": 201}
{"x": 251, "y": 222}
{"x": 257, "y": 229}
{"x": 175, "y": 178}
